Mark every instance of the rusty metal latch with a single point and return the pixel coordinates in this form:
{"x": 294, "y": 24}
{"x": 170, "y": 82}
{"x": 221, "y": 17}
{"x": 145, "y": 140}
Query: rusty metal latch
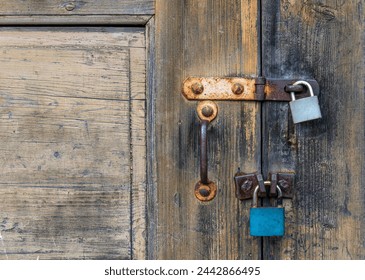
{"x": 247, "y": 183}
{"x": 245, "y": 88}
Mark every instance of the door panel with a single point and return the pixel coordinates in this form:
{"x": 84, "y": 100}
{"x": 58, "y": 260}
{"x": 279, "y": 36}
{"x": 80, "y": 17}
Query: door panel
{"x": 323, "y": 40}
{"x": 72, "y": 143}
{"x": 92, "y": 167}
{"x": 210, "y": 38}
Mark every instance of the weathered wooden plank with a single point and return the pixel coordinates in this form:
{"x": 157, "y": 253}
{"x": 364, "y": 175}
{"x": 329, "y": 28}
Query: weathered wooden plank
{"x": 64, "y": 223}
{"x": 50, "y": 140}
{"x": 151, "y": 164}
{"x": 140, "y": 20}
{"x": 209, "y": 38}
{"x": 138, "y": 74}
{"x": 324, "y": 40}
{"x": 72, "y": 150}
{"x": 139, "y": 152}
{"x": 71, "y": 38}
{"x": 85, "y": 7}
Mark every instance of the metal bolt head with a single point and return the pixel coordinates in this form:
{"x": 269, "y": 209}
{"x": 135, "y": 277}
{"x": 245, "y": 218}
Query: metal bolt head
{"x": 283, "y": 184}
{"x": 246, "y": 186}
{"x": 207, "y": 111}
{"x": 70, "y": 6}
{"x": 237, "y": 88}
{"x": 204, "y": 192}
{"x": 197, "y": 88}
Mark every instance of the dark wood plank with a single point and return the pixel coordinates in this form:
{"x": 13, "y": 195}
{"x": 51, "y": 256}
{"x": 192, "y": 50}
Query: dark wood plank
{"x": 208, "y": 38}
{"x": 323, "y": 40}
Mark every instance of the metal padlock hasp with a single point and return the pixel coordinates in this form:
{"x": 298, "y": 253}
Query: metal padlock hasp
{"x": 267, "y": 221}
{"x": 305, "y": 109}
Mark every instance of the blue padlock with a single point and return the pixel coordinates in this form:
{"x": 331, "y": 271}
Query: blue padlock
{"x": 267, "y": 221}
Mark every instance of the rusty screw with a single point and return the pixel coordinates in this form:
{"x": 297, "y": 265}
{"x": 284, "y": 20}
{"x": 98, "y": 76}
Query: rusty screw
{"x": 197, "y": 88}
{"x": 70, "y": 6}
{"x": 207, "y": 111}
{"x": 237, "y": 88}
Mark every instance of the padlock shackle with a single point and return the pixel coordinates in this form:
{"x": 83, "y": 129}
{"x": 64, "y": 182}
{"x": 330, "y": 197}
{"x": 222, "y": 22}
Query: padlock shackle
{"x": 255, "y": 198}
{"x": 304, "y": 83}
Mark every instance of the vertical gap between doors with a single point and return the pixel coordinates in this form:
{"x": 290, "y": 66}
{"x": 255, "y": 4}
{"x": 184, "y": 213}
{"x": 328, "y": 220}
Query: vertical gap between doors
{"x": 260, "y": 72}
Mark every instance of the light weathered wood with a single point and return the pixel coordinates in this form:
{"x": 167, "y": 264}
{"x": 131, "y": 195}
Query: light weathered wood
{"x": 40, "y": 222}
{"x": 75, "y": 20}
{"x": 77, "y": 38}
{"x": 138, "y": 151}
{"x": 208, "y": 38}
{"x": 324, "y": 40}
{"x": 73, "y": 144}
{"x": 76, "y": 7}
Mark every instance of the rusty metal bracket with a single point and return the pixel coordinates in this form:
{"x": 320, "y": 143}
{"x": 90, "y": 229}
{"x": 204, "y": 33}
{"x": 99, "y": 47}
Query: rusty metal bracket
{"x": 285, "y": 181}
{"x": 246, "y": 183}
{"x": 245, "y": 88}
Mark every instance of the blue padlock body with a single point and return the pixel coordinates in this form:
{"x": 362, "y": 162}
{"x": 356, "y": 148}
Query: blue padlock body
{"x": 267, "y": 221}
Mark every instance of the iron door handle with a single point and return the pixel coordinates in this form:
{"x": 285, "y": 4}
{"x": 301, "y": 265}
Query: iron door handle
{"x": 205, "y": 190}
{"x": 204, "y": 152}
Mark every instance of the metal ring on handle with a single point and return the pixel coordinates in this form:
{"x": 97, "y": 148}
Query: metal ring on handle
{"x": 304, "y": 83}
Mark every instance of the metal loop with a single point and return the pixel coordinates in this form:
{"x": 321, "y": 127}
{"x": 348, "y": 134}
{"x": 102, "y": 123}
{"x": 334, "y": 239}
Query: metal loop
{"x": 304, "y": 83}
{"x": 254, "y": 200}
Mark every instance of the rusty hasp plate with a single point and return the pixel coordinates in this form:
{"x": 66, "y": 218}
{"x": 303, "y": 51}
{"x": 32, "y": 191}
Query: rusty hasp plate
{"x": 246, "y": 184}
{"x": 285, "y": 181}
{"x": 279, "y": 89}
{"x": 244, "y": 88}
{"x": 219, "y": 88}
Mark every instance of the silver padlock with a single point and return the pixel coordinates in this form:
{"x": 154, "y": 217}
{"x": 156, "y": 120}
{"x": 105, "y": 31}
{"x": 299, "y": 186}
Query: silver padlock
{"x": 305, "y": 109}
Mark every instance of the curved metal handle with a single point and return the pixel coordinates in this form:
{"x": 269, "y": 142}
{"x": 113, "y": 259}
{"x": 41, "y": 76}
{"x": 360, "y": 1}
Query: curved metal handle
{"x": 205, "y": 189}
{"x": 204, "y": 152}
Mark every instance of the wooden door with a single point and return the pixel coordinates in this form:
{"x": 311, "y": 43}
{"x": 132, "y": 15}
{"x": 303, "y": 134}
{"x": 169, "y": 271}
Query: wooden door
{"x": 100, "y": 152}
{"x": 323, "y": 40}
{"x": 73, "y": 133}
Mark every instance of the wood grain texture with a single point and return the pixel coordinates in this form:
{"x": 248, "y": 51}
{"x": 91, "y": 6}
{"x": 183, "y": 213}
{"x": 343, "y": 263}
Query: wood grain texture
{"x": 138, "y": 151}
{"x": 323, "y": 40}
{"x": 94, "y": 20}
{"x": 72, "y": 152}
{"x": 207, "y": 38}
{"x": 77, "y": 7}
